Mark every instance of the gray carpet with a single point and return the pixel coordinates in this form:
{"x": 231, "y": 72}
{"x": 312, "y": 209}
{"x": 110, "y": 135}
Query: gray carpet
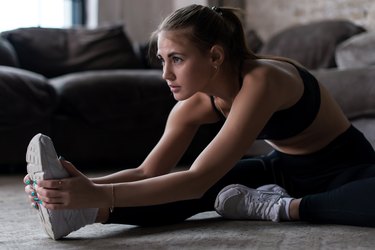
{"x": 21, "y": 229}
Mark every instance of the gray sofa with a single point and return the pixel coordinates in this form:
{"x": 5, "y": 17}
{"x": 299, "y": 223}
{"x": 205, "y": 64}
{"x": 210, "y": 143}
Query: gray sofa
{"x": 104, "y": 105}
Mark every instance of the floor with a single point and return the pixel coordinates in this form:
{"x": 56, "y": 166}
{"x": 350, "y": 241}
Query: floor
{"x": 21, "y": 229}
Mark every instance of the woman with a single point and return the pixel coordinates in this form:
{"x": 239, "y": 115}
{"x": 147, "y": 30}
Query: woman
{"x": 319, "y": 158}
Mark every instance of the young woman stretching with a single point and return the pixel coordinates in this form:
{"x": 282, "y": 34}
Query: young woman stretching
{"x": 319, "y": 157}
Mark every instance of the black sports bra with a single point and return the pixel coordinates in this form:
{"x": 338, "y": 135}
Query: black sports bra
{"x": 292, "y": 121}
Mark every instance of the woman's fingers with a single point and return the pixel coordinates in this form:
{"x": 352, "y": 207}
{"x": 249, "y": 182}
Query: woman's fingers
{"x": 30, "y": 191}
{"x": 48, "y": 193}
{"x": 72, "y": 170}
{"x": 50, "y": 197}
{"x": 48, "y": 200}
{"x": 27, "y": 180}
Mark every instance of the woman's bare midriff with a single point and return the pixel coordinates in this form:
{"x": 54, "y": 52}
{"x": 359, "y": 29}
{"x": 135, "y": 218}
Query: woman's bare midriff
{"x": 329, "y": 123}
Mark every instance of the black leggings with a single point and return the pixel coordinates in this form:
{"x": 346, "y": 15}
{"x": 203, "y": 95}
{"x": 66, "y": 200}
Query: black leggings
{"x": 337, "y": 184}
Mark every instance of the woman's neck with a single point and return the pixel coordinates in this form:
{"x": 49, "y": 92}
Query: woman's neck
{"x": 226, "y": 84}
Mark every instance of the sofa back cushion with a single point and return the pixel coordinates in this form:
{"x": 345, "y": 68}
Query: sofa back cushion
{"x": 52, "y": 52}
{"x": 128, "y": 97}
{"x": 313, "y": 44}
{"x": 353, "y": 89}
{"x": 8, "y": 56}
{"x": 357, "y": 52}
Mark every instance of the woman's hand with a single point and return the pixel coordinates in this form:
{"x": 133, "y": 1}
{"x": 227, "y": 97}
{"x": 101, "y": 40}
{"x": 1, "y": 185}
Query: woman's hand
{"x": 77, "y": 191}
{"x": 30, "y": 191}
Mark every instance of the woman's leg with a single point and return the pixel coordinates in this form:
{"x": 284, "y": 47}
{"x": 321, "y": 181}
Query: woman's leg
{"x": 252, "y": 172}
{"x": 337, "y": 184}
{"x": 351, "y": 203}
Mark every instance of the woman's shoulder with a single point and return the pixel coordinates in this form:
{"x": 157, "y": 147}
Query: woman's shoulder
{"x": 280, "y": 80}
{"x": 197, "y": 109}
{"x": 270, "y": 71}
{"x": 266, "y": 67}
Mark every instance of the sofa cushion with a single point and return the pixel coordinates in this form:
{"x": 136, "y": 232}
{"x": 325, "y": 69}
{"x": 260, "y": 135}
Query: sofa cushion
{"x": 8, "y": 56}
{"x": 25, "y": 97}
{"x": 356, "y": 52}
{"x": 52, "y": 52}
{"x": 125, "y": 98}
{"x": 353, "y": 89}
{"x": 313, "y": 44}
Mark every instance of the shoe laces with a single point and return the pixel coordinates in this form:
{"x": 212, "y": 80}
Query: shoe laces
{"x": 264, "y": 205}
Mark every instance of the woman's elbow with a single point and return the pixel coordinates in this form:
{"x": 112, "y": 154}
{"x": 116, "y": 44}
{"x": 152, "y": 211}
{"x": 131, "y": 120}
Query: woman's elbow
{"x": 199, "y": 191}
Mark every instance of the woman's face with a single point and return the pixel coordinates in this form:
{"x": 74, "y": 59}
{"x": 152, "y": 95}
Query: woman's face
{"x": 185, "y": 68}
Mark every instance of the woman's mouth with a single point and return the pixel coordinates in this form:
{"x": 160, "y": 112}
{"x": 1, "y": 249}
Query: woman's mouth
{"x": 174, "y": 88}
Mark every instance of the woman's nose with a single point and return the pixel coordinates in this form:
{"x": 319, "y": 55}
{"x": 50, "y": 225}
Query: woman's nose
{"x": 167, "y": 73}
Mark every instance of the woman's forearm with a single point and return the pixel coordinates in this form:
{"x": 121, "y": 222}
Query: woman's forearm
{"x": 157, "y": 190}
{"x": 127, "y": 175}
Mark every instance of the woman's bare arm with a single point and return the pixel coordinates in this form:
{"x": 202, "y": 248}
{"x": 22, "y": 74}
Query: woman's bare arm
{"x": 237, "y": 134}
{"x": 250, "y": 111}
{"x": 182, "y": 125}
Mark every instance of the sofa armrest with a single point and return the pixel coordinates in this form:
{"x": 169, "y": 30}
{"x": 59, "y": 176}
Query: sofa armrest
{"x": 25, "y": 97}
{"x": 8, "y": 56}
{"x": 27, "y": 103}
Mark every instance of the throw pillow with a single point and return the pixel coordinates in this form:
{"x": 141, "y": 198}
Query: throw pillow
{"x": 356, "y": 52}
{"x": 313, "y": 44}
{"x": 52, "y": 52}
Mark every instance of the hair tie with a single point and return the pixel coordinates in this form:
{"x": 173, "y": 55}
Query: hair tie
{"x": 217, "y": 10}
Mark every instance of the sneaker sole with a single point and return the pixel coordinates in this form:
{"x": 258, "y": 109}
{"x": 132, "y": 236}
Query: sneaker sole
{"x": 43, "y": 164}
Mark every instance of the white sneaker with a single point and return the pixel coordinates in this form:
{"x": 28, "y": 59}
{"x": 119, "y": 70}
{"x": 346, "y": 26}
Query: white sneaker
{"x": 273, "y": 188}
{"x": 240, "y": 202}
{"x": 43, "y": 164}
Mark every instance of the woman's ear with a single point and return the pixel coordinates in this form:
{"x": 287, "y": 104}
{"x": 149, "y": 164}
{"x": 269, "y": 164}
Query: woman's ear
{"x": 217, "y": 55}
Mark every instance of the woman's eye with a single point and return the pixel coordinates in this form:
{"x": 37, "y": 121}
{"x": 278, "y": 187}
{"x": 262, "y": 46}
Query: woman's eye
{"x": 161, "y": 60}
{"x": 176, "y": 59}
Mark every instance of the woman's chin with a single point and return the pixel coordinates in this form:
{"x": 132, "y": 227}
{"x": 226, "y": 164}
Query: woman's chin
{"x": 180, "y": 97}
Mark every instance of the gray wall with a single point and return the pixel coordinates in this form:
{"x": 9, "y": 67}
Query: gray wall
{"x": 140, "y": 17}
{"x": 267, "y": 17}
